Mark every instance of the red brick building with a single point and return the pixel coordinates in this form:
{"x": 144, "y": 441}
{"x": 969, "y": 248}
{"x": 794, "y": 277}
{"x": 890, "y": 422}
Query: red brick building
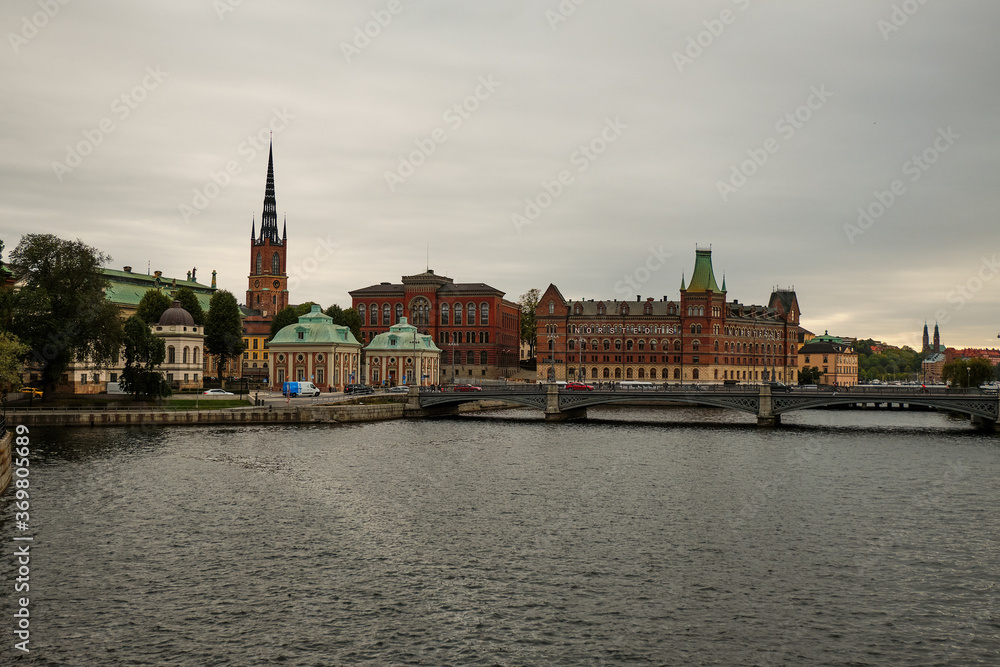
{"x": 701, "y": 337}
{"x": 477, "y": 329}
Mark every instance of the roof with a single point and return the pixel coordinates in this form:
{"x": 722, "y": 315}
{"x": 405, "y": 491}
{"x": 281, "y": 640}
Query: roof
{"x": 703, "y": 278}
{"x": 813, "y": 347}
{"x": 126, "y": 288}
{"x": 175, "y": 315}
{"x": 402, "y": 336}
{"x": 934, "y": 358}
{"x": 316, "y": 328}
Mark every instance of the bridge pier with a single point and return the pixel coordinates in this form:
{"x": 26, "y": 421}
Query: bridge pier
{"x": 983, "y": 424}
{"x": 765, "y": 411}
{"x": 552, "y": 411}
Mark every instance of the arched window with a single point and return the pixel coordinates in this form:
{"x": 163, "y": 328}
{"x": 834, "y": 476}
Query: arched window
{"x": 628, "y": 373}
{"x": 677, "y": 374}
{"x": 194, "y": 356}
{"x": 618, "y": 374}
{"x": 458, "y": 313}
{"x": 399, "y": 313}
{"x": 445, "y": 314}
{"x": 677, "y": 345}
{"x": 618, "y": 344}
{"x": 486, "y": 336}
{"x": 361, "y": 312}
{"x": 386, "y": 314}
{"x": 577, "y": 309}
{"x": 484, "y": 314}
{"x": 694, "y": 374}
{"x": 483, "y": 358}
{"x": 607, "y": 344}
{"x": 652, "y": 345}
{"x": 373, "y": 315}
{"x": 647, "y": 309}
{"x": 607, "y": 373}
{"x": 628, "y": 345}
{"x": 258, "y": 267}
{"x": 690, "y": 311}
{"x": 171, "y": 355}
{"x": 695, "y": 345}
{"x": 471, "y": 319}
{"x": 642, "y": 345}
{"x": 642, "y": 374}
{"x": 716, "y": 346}
{"x": 275, "y": 265}
{"x": 184, "y": 355}
{"x": 652, "y": 373}
{"x": 593, "y": 373}
{"x": 552, "y": 307}
{"x": 693, "y": 328}
{"x": 697, "y": 328}
{"x": 624, "y": 309}
{"x": 572, "y": 345}
{"x": 470, "y": 357}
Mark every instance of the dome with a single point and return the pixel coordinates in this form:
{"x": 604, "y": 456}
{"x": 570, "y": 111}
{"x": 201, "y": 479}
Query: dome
{"x": 175, "y": 315}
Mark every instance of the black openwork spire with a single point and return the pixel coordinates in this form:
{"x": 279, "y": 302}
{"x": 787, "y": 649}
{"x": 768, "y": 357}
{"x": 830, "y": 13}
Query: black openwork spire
{"x": 269, "y": 219}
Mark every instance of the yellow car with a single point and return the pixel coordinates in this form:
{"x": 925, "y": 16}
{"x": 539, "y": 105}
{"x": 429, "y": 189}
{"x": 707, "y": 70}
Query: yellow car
{"x": 31, "y": 391}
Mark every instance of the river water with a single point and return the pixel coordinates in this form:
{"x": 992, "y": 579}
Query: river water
{"x": 644, "y": 537}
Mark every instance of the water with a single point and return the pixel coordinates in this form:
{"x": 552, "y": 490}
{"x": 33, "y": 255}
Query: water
{"x": 646, "y": 537}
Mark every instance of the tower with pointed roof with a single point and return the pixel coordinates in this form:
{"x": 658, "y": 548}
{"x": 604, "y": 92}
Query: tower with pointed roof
{"x": 937, "y": 338}
{"x": 927, "y": 340}
{"x": 267, "y": 288}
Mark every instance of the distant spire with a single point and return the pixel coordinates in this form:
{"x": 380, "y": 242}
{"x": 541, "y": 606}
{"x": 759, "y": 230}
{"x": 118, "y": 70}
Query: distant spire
{"x": 682, "y": 282}
{"x": 253, "y": 224}
{"x": 284, "y": 229}
{"x": 723, "y": 282}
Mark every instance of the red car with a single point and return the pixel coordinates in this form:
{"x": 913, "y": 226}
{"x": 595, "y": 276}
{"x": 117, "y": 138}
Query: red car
{"x": 579, "y": 386}
{"x": 467, "y": 387}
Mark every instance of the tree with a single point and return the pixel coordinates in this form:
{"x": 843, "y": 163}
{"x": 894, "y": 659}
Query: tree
{"x": 223, "y": 328}
{"x": 810, "y": 375}
{"x": 60, "y": 311}
{"x": 143, "y": 352}
{"x": 529, "y": 302}
{"x": 968, "y": 372}
{"x": 12, "y": 354}
{"x": 346, "y": 318}
{"x": 189, "y": 302}
{"x": 284, "y": 317}
{"x": 152, "y": 305}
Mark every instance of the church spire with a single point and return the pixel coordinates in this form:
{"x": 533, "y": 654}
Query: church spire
{"x": 253, "y": 225}
{"x": 269, "y": 218}
{"x": 284, "y": 229}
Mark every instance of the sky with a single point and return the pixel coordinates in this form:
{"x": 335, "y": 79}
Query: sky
{"x": 848, "y": 149}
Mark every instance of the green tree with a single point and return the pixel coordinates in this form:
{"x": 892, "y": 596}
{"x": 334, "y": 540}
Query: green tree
{"x": 810, "y": 375}
{"x": 968, "y": 372}
{"x": 223, "y": 328}
{"x": 346, "y": 318}
{"x": 12, "y": 354}
{"x": 189, "y": 302}
{"x": 152, "y": 306}
{"x": 528, "y": 303}
{"x": 60, "y": 311}
{"x": 284, "y": 317}
{"x": 143, "y": 352}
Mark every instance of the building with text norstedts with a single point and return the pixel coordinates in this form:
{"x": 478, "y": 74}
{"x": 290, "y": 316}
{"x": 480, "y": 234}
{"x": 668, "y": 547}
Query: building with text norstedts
{"x": 402, "y": 355}
{"x": 700, "y": 337}
{"x": 477, "y": 329}
{"x": 316, "y": 350}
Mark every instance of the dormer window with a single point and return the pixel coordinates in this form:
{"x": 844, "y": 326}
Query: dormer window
{"x": 302, "y": 335}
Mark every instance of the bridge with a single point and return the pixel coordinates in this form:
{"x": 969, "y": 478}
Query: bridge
{"x": 557, "y": 403}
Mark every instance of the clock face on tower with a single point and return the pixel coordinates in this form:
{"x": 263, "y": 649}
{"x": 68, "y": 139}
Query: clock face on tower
{"x": 256, "y": 283}
{"x": 276, "y": 284}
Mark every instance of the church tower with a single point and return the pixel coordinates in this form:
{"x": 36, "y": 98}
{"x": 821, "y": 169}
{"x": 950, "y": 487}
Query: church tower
{"x": 267, "y": 292}
{"x": 937, "y": 339}
{"x": 927, "y": 340}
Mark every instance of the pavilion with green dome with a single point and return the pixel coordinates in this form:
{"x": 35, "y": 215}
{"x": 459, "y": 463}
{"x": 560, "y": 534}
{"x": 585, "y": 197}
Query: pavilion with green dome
{"x": 402, "y": 355}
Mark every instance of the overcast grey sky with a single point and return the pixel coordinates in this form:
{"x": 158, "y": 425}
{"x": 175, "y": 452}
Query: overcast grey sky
{"x": 637, "y": 129}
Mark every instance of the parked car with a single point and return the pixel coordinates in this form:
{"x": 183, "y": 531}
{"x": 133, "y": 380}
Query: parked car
{"x": 467, "y": 387}
{"x": 217, "y": 392}
{"x": 778, "y": 386}
{"x": 32, "y": 391}
{"x": 358, "y": 389}
{"x": 399, "y": 389}
{"x": 578, "y": 386}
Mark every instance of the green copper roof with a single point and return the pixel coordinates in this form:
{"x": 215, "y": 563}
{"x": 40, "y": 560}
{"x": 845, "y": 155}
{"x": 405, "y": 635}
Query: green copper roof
{"x": 316, "y": 328}
{"x": 402, "y": 336}
{"x": 827, "y": 338}
{"x": 126, "y": 288}
{"x": 703, "y": 278}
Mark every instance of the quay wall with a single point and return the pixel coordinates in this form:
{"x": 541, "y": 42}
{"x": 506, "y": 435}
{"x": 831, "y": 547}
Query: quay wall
{"x": 6, "y": 467}
{"x": 306, "y": 414}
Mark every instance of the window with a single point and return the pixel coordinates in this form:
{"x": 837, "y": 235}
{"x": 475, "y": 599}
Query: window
{"x": 600, "y": 311}
{"x": 399, "y": 312}
{"x": 677, "y": 374}
{"x": 373, "y": 316}
{"x": 470, "y": 357}
{"x": 628, "y": 373}
{"x": 275, "y": 265}
{"x": 471, "y": 319}
{"x": 258, "y": 266}
{"x": 484, "y": 314}
{"x": 628, "y": 345}
{"x": 320, "y": 376}
{"x": 694, "y": 374}
{"x": 552, "y": 307}
{"x": 458, "y": 313}
{"x": 445, "y": 314}
{"x": 420, "y": 312}
{"x": 361, "y": 313}
{"x": 255, "y": 343}
{"x": 386, "y": 314}
{"x": 607, "y": 373}
{"x": 171, "y": 355}
{"x": 184, "y": 355}
{"x": 483, "y": 358}
{"x": 677, "y": 345}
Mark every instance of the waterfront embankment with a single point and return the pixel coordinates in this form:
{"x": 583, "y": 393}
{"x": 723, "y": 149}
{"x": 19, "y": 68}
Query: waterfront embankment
{"x": 6, "y": 441}
{"x": 304, "y": 414}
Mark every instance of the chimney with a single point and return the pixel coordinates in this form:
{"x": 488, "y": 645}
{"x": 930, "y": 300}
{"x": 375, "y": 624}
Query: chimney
{"x": 194, "y": 273}
{"x": 213, "y": 279}
{"x": 638, "y": 298}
